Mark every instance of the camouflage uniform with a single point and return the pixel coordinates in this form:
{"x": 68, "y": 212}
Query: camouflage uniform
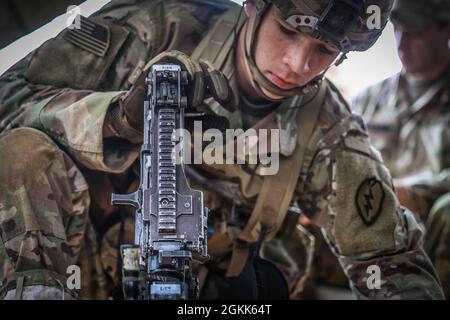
{"x": 409, "y": 125}
{"x": 64, "y": 149}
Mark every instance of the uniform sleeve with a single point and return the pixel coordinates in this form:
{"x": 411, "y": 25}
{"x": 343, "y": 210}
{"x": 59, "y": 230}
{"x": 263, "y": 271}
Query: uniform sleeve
{"x": 349, "y": 194}
{"x": 69, "y": 89}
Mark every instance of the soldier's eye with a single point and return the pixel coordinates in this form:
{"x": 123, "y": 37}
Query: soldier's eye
{"x": 325, "y": 50}
{"x": 286, "y": 31}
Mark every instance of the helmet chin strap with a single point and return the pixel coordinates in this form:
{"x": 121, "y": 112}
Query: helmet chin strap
{"x": 259, "y": 79}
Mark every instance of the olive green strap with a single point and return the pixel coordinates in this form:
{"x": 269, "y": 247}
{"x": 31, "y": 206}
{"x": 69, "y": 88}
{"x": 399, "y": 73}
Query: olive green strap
{"x": 277, "y": 191}
{"x": 19, "y": 288}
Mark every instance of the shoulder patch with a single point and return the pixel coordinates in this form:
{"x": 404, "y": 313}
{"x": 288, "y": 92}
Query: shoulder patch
{"x": 90, "y": 36}
{"x": 369, "y": 200}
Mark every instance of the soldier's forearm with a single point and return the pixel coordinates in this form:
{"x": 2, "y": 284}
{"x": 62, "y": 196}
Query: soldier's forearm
{"x": 73, "y": 118}
{"x": 406, "y": 274}
{"x": 403, "y": 276}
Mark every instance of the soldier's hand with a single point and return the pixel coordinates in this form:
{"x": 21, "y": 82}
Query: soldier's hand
{"x": 204, "y": 81}
{"x": 410, "y": 200}
{"x": 404, "y": 197}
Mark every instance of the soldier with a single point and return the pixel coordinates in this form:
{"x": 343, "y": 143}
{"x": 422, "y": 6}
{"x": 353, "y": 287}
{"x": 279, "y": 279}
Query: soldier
{"x": 408, "y": 119}
{"x": 71, "y": 123}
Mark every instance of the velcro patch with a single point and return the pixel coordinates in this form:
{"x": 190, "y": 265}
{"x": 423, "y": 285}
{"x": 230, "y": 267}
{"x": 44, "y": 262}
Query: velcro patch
{"x": 90, "y": 36}
{"x": 369, "y": 200}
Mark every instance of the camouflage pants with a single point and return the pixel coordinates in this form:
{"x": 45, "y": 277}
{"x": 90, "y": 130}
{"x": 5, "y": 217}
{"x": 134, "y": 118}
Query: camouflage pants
{"x": 44, "y": 205}
{"x": 437, "y": 240}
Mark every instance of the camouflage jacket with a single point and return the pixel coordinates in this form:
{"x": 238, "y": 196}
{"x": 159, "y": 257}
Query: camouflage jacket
{"x": 68, "y": 88}
{"x": 413, "y": 135}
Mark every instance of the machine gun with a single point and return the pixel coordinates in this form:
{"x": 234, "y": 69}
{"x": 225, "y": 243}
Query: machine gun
{"x": 171, "y": 221}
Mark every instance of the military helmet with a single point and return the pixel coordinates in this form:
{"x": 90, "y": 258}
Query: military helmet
{"x": 349, "y": 25}
{"x": 421, "y": 14}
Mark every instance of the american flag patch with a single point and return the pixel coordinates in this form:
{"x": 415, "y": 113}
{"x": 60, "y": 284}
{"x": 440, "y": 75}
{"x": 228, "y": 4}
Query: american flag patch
{"x": 90, "y": 36}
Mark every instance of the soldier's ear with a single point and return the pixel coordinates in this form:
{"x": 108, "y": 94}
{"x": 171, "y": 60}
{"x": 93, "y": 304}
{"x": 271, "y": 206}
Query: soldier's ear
{"x": 249, "y": 7}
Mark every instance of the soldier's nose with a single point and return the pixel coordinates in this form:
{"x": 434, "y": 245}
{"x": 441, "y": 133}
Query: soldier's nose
{"x": 299, "y": 57}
